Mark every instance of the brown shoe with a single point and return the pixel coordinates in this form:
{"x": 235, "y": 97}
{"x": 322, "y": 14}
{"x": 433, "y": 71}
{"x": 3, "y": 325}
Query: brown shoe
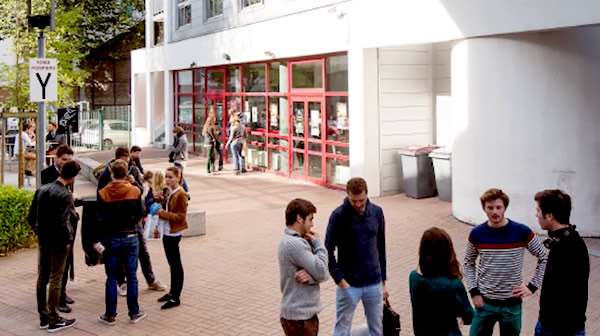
{"x": 157, "y": 286}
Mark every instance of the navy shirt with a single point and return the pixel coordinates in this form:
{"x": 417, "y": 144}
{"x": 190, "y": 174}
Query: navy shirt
{"x": 360, "y": 243}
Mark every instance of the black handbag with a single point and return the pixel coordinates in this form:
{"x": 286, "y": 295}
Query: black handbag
{"x": 391, "y": 320}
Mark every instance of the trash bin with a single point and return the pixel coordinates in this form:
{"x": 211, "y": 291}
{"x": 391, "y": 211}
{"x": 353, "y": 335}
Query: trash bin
{"x": 442, "y": 164}
{"x": 90, "y": 233}
{"x": 417, "y": 171}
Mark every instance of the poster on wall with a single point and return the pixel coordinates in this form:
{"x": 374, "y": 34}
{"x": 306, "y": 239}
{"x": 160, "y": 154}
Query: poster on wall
{"x": 315, "y": 123}
{"x": 254, "y": 114}
{"x": 274, "y": 115}
{"x": 342, "y": 115}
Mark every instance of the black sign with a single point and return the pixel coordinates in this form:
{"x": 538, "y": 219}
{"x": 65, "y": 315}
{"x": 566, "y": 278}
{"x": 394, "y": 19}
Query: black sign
{"x": 68, "y": 116}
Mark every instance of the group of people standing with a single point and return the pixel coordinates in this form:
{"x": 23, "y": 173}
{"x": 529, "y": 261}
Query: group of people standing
{"x": 492, "y": 270}
{"x": 121, "y": 208}
{"x": 237, "y": 136}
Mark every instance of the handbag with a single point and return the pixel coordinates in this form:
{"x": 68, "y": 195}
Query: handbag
{"x": 154, "y": 228}
{"x": 391, "y": 320}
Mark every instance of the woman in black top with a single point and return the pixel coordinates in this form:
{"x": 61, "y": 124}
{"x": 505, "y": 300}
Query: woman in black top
{"x": 440, "y": 304}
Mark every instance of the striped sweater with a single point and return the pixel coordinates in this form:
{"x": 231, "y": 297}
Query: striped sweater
{"x": 501, "y": 251}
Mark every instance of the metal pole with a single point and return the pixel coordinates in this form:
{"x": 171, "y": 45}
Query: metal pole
{"x": 3, "y": 148}
{"x": 41, "y": 124}
{"x": 20, "y": 154}
{"x": 100, "y": 129}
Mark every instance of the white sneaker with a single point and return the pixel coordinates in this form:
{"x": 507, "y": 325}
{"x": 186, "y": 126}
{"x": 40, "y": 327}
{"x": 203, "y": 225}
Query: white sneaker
{"x": 122, "y": 289}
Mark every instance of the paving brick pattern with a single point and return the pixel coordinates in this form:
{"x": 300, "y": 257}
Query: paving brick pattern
{"x": 231, "y": 274}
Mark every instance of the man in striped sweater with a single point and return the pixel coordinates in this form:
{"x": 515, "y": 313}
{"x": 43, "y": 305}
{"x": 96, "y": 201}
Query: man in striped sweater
{"x": 303, "y": 263}
{"x": 497, "y": 288}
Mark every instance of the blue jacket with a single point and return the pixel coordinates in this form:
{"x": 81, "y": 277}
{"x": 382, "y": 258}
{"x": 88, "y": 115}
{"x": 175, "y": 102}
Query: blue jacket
{"x": 360, "y": 243}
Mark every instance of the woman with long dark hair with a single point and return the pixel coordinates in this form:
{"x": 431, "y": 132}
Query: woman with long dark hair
{"x": 439, "y": 300}
{"x": 175, "y": 214}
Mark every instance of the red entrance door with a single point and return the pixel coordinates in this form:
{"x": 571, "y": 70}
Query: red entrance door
{"x": 307, "y": 139}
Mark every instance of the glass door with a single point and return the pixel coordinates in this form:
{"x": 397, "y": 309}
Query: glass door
{"x": 307, "y": 138}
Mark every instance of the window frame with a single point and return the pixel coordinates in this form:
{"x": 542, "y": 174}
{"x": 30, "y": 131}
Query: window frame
{"x": 183, "y": 5}
{"x": 208, "y": 15}
{"x": 259, "y": 3}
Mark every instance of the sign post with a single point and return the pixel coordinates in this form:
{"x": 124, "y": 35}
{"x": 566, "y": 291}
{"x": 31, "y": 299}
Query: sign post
{"x": 42, "y": 88}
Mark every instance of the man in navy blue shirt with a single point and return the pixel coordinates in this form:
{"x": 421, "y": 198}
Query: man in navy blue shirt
{"x": 357, "y": 230}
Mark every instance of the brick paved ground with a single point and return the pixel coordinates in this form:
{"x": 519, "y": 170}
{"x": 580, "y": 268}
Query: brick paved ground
{"x": 231, "y": 274}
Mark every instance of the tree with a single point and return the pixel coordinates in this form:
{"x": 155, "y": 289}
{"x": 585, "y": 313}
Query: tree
{"x": 81, "y": 26}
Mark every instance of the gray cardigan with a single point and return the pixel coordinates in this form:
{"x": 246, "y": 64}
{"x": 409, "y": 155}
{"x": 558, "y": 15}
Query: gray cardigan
{"x": 301, "y": 301}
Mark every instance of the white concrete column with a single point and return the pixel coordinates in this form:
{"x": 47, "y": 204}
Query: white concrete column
{"x": 364, "y": 117}
{"x": 149, "y": 107}
{"x": 526, "y": 119}
{"x": 150, "y": 23}
{"x": 169, "y": 107}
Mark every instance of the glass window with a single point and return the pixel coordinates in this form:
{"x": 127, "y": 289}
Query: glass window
{"x": 247, "y": 3}
{"x": 307, "y": 76}
{"x": 233, "y": 79}
{"x": 185, "y": 110}
{"x": 184, "y": 13}
{"x": 184, "y": 82}
{"x": 199, "y": 78}
{"x": 254, "y": 77}
{"x": 337, "y": 73}
{"x": 255, "y": 112}
{"x": 278, "y": 115}
{"x": 338, "y": 172}
{"x": 338, "y": 150}
{"x": 199, "y": 110}
{"x": 337, "y": 119}
{"x": 314, "y": 120}
{"x": 215, "y": 7}
{"x": 298, "y": 163}
{"x": 314, "y": 166}
{"x": 257, "y": 156}
{"x": 298, "y": 119}
{"x": 216, "y": 80}
{"x": 279, "y": 160}
{"x": 278, "y": 77}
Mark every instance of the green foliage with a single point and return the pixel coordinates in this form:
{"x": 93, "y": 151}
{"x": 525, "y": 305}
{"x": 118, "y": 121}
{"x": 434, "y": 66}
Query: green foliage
{"x": 81, "y": 26}
{"x": 15, "y": 231}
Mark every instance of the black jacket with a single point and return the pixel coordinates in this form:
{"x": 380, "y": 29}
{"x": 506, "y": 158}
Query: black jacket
{"x": 50, "y": 174}
{"x": 51, "y": 214}
{"x": 564, "y": 296}
{"x": 119, "y": 208}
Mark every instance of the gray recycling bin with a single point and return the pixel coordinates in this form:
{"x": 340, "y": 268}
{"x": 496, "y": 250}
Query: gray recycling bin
{"x": 442, "y": 164}
{"x": 418, "y": 178}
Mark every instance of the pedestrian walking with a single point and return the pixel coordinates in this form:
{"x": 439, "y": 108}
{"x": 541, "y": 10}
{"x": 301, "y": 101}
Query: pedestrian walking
{"x": 50, "y": 174}
{"x": 119, "y": 210}
{"x": 179, "y": 150}
{"x": 302, "y": 266}
{"x": 175, "y": 213}
{"x": 440, "y": 305}
{"x": 51, "y": 216}
{"x": 497, "y": 287}
{"x": 357, "y": 230}
{"x": 564, "y": 295}
{"x": 236, "y": 141}
{"x": 210, "y": 142}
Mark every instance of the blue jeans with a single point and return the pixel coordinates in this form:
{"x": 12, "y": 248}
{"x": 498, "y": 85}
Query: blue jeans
{"x": 236, "y": 153}
{"x": 346, "y": 302}
{"x": 541, "y": 331}
{"x": 121, "y": 251}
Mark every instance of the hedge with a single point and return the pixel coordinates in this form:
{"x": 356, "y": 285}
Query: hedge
{"x": 15, "y": 231}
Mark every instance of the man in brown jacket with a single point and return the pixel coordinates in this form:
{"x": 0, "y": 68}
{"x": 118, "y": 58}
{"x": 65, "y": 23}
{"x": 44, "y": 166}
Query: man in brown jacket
{"x": 119, "y": 209}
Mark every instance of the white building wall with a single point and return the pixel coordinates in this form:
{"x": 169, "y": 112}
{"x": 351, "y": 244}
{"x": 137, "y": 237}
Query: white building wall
{"x": 405, "y": 107}
{"x": 381, "y": 23}
{"x": 526, "y": 113}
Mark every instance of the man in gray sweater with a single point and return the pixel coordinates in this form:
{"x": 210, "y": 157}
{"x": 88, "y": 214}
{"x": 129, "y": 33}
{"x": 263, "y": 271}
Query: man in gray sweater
{"x": 302, "y": 266}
